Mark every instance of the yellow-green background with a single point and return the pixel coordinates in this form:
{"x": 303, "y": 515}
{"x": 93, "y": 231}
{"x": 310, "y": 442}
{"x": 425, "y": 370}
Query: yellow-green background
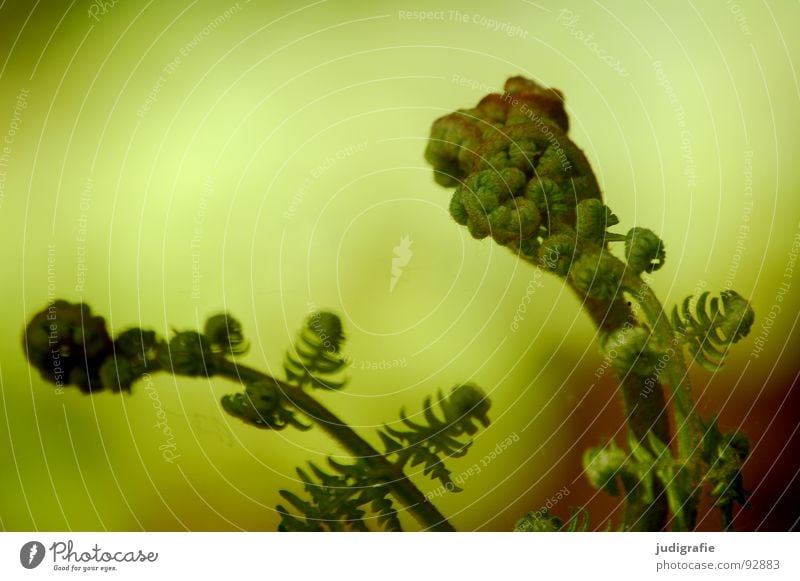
{"x": 267, "y": 95}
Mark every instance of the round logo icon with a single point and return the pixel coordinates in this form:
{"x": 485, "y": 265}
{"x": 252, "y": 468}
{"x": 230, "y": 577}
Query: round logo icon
{"x": 31, "y": 554}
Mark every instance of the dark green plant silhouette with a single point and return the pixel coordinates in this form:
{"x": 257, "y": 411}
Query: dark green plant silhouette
{"x": 519, "y": 179}
{"x": 68, "y": 344}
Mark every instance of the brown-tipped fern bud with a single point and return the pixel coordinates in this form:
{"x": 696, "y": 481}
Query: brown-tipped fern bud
{"x": 520, "y": 177}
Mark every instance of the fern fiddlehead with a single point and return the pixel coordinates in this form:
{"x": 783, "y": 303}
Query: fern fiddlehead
{"x": 519, "y": 179}
{"x": 316, "y": 356}
{"x": 714, "y": 326}
{"x": 338, "y": 501}
{"x": 341, "y": 500}
{"x": 317, "y": 359}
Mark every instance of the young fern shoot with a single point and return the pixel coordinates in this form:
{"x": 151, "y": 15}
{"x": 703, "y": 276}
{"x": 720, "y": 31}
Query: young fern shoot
{"x": 346, "y": 496}
{"x": 520, "y": 180}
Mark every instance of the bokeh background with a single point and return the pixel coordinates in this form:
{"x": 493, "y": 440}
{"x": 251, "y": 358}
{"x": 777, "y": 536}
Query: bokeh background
{"x": 168, "y": 161}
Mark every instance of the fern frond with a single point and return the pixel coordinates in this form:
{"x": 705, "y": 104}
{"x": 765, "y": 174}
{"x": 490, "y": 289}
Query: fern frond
{"x": 316, "y": 360}
{"x": 644, "y": 250}
{"x": 541, "y": 522}
{"x": 339, "y": 501}
{"x": 442, "y": 435}
{"x": 714, "y": 326}
{"x": 263, "y": 405}
{"x": 224, "y": 334}
{"x": 725, "y": 455}
{"x": 578, "y": 521}
{"x": 603, "y": 465}
{"x": 544, "y": 522}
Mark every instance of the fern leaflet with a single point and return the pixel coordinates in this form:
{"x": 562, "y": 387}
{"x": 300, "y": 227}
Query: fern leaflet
{"x": 713, "y": 327}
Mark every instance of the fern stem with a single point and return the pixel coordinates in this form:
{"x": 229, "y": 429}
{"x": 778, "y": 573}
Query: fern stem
{"x": 688, "y": 426}
{"x": 642, "y": 414}
{"x": 675, "y": 375}
{"x": 396, "y": 480}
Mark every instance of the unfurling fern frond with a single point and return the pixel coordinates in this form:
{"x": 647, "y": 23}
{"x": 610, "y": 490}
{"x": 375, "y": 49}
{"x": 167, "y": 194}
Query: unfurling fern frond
{"x": 725, "y": 455}
{"x": 714, "y": 326}
{"x": 644, "y": 250}
{"x": 225, "y": 335}
{"x": 262, "y": 405}
{"x": 340, "y": 501}
{"x": 544, "y": 522}
{"x": 316, "y": 360}
{"x": 647, "y": 464}
{"x": 604, "y": 466}
{"x": 429, "y": 443}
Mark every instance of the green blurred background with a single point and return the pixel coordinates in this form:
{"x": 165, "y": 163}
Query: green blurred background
{"x": 178, "y": 159}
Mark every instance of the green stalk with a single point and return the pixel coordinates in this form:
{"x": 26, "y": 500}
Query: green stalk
{"x": 688, "y": 426}
{"x": 642, "y": 415}
{"x": 675, "y": 374}
{"x": 396, "y": 480}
